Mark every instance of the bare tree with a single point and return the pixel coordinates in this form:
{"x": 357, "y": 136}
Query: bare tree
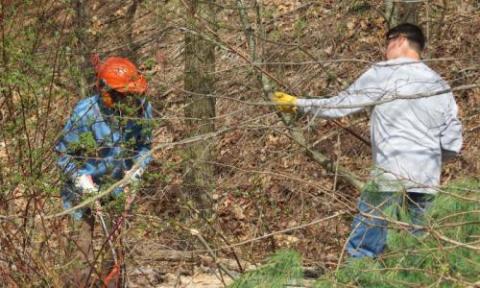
{"x": 401, "y": 11}
{"x": 130, "y": 18}
{"x": 81, "y": 23}
{"x": 199, "y": 105}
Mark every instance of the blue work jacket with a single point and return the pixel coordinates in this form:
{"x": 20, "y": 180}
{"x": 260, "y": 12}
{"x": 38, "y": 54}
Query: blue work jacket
{"x": 97, "y": 141}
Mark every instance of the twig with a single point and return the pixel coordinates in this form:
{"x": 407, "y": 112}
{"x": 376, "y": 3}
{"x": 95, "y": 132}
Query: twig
{"x": 197, "y": 234}
{"x": 290, "y": 229}
{"x": 267, "y": 87}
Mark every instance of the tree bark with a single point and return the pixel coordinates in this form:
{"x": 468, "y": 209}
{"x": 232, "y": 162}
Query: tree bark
{"x": 199, "y": 110}
{"x": 401, "y": 11}
{"x": 130, "y": 19}
{"x": 82, "y": 24}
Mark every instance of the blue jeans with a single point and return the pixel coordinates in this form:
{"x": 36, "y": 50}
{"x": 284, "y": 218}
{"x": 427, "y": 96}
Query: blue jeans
{"x": 369, "y": 235}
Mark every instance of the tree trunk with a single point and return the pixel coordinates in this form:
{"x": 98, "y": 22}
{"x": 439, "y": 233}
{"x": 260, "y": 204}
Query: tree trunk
{"x": 398, "y": 12}
{"x": 81, "y": 26}
{"x": 130, "y": 19}
{"x": 200, "y": 105}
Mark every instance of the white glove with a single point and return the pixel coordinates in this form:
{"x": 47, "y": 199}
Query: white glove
{"x": 85, "y": 184}
{"x": 134, "y": 176}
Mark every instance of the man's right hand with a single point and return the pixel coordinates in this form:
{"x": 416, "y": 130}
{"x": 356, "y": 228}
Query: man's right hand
{"x": 285, "y": 103}
{"x": 85, "y": 184}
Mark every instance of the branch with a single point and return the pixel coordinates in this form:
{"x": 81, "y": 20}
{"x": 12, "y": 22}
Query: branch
{"x": 196, "y": 233}
{"x": 289, "y": 229}
{"x": 295, "y": 132}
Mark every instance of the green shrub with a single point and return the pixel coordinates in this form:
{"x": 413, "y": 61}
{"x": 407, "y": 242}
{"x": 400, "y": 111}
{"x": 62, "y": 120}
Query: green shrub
{"x": 437, "y": 258}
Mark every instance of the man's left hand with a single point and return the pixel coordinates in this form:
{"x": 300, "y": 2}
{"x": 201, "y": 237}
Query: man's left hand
{"x": 285, "y": 103}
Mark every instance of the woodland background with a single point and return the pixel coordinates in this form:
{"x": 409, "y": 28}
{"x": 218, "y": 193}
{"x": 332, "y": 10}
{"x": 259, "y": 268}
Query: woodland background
{"x": 230, "y": 174}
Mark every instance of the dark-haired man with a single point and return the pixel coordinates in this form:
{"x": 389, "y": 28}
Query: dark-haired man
{"x": 410, "y": 133}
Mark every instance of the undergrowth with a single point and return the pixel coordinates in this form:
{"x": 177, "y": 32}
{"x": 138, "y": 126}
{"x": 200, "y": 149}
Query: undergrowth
{"x": 447, "y": 255}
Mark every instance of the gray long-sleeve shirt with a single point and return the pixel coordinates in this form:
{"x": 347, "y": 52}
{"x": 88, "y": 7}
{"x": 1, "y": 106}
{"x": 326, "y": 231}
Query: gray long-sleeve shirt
{"x": 408, "y": 135}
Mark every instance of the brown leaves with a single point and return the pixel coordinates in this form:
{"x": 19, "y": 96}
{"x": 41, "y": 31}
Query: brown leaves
{"x": 283, "y": 6}
{"x": 96, "y": 26}
{"x": 161, "y": 58}
{"x": 285, "y": 240}
{"x": 234, "y": 216}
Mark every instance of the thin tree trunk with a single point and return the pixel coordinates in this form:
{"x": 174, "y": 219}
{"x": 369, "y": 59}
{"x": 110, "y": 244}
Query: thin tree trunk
{"x": 130, "y": 19}
{"x": 200, "y": 106}
{"x": 401, "y": 11}
{"x": 81, "y": 27}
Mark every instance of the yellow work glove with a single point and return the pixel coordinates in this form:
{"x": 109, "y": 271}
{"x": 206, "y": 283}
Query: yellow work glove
{"x": 285, "y": 103}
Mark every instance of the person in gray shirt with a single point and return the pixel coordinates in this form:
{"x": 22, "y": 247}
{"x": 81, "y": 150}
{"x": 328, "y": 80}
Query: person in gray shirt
{"x": 413, "y": 127}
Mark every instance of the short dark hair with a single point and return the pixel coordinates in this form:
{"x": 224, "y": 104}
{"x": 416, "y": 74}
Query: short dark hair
{"x": 410, "y": 31}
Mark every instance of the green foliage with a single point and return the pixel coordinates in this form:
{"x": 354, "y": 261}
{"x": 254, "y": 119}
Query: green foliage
{"x": 85, "y": 146}
{"x": 128, "y": 107}
{"x": 149, "y": 63}
{"x": 359, "y": 7}
{"x": 116, "y": 204}
{"x": 157, "y": 177}
{"x": 413, "y": 260}
{"x": 355, "y": 272}
{"x": 299, "y": 26}
{"x": 283, "y": 268}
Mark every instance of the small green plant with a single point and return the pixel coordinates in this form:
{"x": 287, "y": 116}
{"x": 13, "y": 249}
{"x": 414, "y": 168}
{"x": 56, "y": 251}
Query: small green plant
{"x": 283, "y": 268}
{"x": 86, "y": 145}
{"x": 300, "y": 26}
{"x": 359, "y": 7}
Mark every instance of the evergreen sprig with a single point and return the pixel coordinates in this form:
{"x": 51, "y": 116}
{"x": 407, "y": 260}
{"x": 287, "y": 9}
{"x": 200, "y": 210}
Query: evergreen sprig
{"x": 283, "y": 268}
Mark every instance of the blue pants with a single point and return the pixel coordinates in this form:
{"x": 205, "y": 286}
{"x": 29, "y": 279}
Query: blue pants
{"x": 369, "y": 235}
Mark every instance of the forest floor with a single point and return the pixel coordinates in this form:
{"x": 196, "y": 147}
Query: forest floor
{"x": 144, "y": 278}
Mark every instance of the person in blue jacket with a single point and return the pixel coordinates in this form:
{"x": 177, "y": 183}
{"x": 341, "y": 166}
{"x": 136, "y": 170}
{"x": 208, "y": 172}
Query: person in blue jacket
{"x": 108, "y": 137}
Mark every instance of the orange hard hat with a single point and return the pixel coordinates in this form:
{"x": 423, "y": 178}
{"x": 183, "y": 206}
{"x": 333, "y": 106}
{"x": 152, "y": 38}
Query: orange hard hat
{"x": 121, "y": 75}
